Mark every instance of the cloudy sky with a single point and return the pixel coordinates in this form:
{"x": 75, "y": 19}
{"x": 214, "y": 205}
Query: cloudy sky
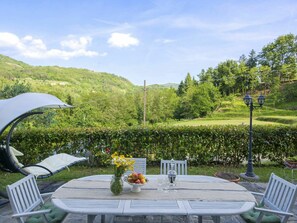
{"x": 159, "y": 41}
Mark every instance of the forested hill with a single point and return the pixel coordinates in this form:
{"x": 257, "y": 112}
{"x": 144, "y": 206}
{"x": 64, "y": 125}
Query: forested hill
{"x": 59, "y": 80}
{"x": 99, "y": 99}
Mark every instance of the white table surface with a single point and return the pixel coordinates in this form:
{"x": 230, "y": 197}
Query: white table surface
{"x": 221, "y": 197}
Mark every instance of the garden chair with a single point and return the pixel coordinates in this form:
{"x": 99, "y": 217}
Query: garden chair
{"x": 180, "y": 167}
{"x": 278, "y": 199}
{"x": 139, "y": 166}
{"x": 24, "y": 197}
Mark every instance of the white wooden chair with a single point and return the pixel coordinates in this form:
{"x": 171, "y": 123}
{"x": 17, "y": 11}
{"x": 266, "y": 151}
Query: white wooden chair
{"x": 24, "y": 197}
{"x": 139, "y": 166}
{"x": 278, "y": 198}
{"x": 180, "y": 167}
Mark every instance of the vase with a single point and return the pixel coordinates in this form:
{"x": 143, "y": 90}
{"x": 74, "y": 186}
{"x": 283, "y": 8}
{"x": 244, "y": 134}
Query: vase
{"x": 116, "y": 185}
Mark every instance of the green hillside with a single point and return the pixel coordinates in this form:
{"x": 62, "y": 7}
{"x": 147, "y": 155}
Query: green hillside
{"x": 61, "y": 81}
{"x": 233, "y": 111}
{"x": 99, "y": 99}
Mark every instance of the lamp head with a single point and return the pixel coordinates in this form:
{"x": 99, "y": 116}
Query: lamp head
{"x": 247, "y": 100}
{"x": 261, "y": 100}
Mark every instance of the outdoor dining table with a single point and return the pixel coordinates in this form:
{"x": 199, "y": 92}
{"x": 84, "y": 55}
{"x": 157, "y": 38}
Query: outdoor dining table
{"x": 192, "y": 195}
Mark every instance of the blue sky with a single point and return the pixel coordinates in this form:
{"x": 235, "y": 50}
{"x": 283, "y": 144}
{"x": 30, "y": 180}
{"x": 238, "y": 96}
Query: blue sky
{"x": 159, "y": 41}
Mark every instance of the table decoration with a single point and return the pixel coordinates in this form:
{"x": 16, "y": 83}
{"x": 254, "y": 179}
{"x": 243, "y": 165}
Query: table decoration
{"x": 121, "y": 164}
{"x": 136, "y": 180}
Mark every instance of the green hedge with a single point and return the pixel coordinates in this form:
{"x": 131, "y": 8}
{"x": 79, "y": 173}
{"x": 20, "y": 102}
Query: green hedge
{"x": 200, "y": 145}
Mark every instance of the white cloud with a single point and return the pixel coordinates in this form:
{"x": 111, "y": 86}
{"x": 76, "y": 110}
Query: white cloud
{"x": 30, "y": 47}
{"x": 164, "y": 41}
{"x": 76, "y": 44}
{"x": 122, "y": 40}
{"x": 9, "y": 40}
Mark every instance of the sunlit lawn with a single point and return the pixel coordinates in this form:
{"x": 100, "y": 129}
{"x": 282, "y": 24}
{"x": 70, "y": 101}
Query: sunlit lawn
{"x": 239, "y": 121}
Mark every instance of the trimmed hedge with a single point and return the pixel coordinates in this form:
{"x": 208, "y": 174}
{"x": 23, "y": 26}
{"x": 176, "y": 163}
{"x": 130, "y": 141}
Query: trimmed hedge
{"x": 200, "y": 145}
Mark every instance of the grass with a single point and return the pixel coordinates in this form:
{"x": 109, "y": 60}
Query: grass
{"x": 290, "y": 120}
{"x": 78, "y": 171}
{"x": 239, "y": 121}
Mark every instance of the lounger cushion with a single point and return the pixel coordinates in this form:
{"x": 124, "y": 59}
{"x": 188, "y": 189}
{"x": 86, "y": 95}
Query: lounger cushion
{"x": 14, "y": 153}
{"x": 55, "y": 216}
{"x": 252, "y": 215}
{"x": 54, "y": 163}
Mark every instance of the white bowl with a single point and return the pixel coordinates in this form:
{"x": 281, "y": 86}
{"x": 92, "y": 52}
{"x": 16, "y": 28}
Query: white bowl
{"x": 136, "y": 187}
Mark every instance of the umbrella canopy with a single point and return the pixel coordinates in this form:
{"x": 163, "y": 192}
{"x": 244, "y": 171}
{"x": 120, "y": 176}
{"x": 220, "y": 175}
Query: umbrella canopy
{"x": 13, "y": 108}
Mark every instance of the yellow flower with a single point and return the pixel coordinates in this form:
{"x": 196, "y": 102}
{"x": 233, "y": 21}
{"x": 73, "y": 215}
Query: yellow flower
{"x": 121, "y": 163}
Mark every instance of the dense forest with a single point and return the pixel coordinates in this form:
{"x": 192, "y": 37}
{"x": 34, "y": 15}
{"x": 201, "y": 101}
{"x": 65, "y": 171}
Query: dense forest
{"x": 102, "y": 99}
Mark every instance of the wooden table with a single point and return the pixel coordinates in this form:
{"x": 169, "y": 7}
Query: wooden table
{"x": 192, "y": 195}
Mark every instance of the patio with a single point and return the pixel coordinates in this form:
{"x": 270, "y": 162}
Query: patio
{"x": 76, "y": 218}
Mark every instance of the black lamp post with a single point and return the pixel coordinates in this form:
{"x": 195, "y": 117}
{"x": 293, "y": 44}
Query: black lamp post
{"x": 249, "y": 175}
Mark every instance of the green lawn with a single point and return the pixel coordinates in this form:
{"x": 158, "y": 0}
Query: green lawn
{"x": 80, "y": 171}
{"x": 238, "y": 121}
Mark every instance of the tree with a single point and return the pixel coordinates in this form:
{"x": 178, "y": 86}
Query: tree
{"x": 17, "y": 88}
{"x": 242, "y": 59}
{"x": 252, "y": 60}
{"x": 199, "y": 101}
{"x": 281, "y": 56}
{"x": 185, "y": 85}
{"x": 161, "y": 104}
{"x": 206, "y": 76}
{"x": 181, "y": 89}
{"x": 227, "y": 72}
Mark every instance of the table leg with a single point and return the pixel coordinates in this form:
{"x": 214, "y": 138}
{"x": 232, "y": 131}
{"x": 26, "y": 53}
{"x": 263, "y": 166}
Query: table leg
{"x": 91, "y": 218}
{"x": 216, "y": 219}
{"x": 199, "y": 219}
{"x": 103, "y": 218}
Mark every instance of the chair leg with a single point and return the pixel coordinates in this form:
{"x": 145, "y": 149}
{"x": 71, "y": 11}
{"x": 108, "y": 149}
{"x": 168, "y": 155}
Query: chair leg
{"x": 188, "y": 218}
{"x": 259, "y": 219}
{"x": 45, "y": 219}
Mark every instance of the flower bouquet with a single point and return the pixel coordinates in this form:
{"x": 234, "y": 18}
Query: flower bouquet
{"x": 121, "y": 165}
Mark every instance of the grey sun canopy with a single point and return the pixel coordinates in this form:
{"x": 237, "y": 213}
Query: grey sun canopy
{"x": 13, "y": 108}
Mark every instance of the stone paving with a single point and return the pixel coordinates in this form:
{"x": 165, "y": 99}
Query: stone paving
{"x": 5, "y": 214}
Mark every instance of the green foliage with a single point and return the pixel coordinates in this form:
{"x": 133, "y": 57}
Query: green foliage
{"x": 198, "y": 100}
{"x": 200, "y": 145}
{"x": 15, "y": 89}
{"x": 289, "y": 92}
{"x": 280, "y": 56}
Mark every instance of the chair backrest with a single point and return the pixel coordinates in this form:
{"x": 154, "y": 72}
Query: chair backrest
{"x": 280, "y": 194}
{"x": 24, "y": 195}
{"x": 180, "y": 167}
{"x": 139, "y": 166}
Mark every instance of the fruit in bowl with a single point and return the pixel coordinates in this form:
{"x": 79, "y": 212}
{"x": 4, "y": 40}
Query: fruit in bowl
{"x": 136, "y": 178}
